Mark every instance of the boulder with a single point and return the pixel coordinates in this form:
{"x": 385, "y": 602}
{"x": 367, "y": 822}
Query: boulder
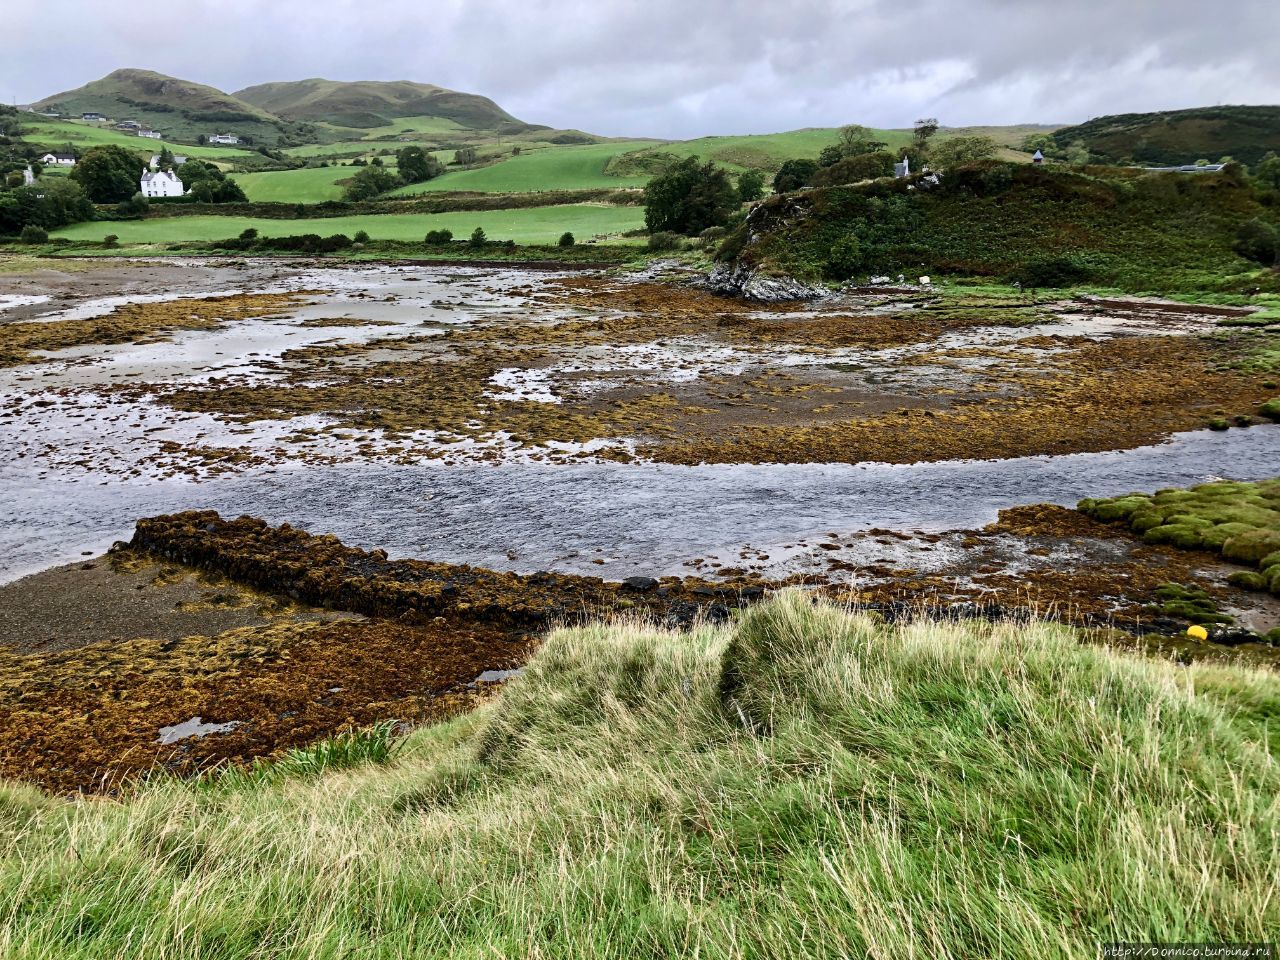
{"x": 749, "y": 283}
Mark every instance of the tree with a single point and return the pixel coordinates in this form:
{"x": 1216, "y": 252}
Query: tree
{"x": 1258, "y": 241}
{"x": 924, "y": 130}
{"x": 370, "y": 182}
{"x": 689, "y": 197}
{"x": 478, "y": 238}
{"x": 108, "y": 174}
{"x": 1267, "y": 172}
{"x": 566, "y": 239}
{"x": 416, "y": 165}
{"x": 202, "y": 139}
{"x": 793, "y": 175}
{"x": 862, "y": 166}
{"x": 750, "y": 186}
{"x": 856, "y": 140}
{"x": 56, "y": 202}
{"x": 958, "y": 150}
{"x": 464, "y": 157}
{"x": 165, "y": 161}
{"x": 830, "y": 156}
{"x": 206, "y": 183}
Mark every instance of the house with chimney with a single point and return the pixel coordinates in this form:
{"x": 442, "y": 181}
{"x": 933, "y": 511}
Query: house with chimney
{"x": 160, "y": 183}
{"x": 59, "y": 159}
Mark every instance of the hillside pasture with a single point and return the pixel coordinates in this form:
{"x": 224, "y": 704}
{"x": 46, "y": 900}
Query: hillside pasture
{"x": 550, "y": 168}
{"x": 531, "y": 225}
{"x": 53, "y": 134}
{"x": 308, "y": 185}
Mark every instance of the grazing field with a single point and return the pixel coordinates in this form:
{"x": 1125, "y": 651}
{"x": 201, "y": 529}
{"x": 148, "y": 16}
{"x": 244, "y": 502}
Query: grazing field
{"x": 532, "y": 225}
{"x": 806, "y": 783}
{"x": 54, "y": 134}
{"x": 769, "y": 151}
{"x": 308, "y": 185}
{"x": 550, "y": 168}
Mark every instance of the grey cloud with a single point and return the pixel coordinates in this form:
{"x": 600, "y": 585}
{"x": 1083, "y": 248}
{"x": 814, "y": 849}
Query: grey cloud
{"x": 676, "y": 68}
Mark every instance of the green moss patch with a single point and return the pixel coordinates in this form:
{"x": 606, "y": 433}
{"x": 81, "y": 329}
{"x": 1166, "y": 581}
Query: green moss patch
{"x": 1239, "y": 521}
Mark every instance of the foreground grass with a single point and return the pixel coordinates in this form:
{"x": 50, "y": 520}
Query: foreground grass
{"x": 527, "y": 225}
{"x": 806, "y": 784}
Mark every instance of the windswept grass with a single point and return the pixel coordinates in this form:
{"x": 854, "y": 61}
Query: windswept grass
{"x": 807, "y": 783}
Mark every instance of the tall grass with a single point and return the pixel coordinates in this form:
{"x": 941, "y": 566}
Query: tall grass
{"x": 805, "y": 783}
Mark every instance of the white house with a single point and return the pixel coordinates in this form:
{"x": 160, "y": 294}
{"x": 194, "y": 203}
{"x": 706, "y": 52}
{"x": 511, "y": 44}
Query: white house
{"x": 902, "y": 169}
{"x": 150, "y": 134}
{"x": 161, "y": 183}
{"x": 1037, "y": 157}
{"x": 228, "y": 138}
{"x": 92, "y": 116}
{"x": 178, "y": 160}
{"x": 59, "y": 159}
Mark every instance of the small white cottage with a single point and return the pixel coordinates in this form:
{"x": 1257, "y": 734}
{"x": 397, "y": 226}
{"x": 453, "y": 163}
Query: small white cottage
{"x": 59, "y": 159}
{"x": 226, "y": 138}
{"x": 160, "y": 183}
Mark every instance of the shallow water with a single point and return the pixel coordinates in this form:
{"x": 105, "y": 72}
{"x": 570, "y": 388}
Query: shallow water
{"x": 636, "y": 518}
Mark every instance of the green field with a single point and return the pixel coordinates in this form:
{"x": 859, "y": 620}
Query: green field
{"x": 549, "y": 168}
{"x": 769, "y": 151}
{"x": 533, "y": 225}
{"x": 309, "y": 185}
{"x": 55, "y": 134}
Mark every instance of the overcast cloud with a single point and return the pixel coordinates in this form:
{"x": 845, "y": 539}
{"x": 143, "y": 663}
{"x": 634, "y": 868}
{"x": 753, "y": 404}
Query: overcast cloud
{"x": 683, "y": 68}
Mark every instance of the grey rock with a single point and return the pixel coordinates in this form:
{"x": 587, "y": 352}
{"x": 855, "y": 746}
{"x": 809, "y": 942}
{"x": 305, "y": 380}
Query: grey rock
{"x": 640, "y": 583}
{"x": 750, "y": 284}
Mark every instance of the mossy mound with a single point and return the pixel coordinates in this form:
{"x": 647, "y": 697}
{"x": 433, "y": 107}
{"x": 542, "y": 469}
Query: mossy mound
{"x": 1240, "y": 521}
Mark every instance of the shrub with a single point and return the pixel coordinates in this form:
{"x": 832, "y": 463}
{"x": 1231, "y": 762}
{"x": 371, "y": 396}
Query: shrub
{"x": 478, "y": 238}
{"x": 1059, "y": 271}
{"x": 665, "y": 240}
{"x": 847, "y": 257}
{"x": 689, "y": 197}
{"x": 865, "y": 166}
{"x": 360, "y": 237}
{"x": 793, "y": 175}
{"x": 249, "y": 233}
{"x": 34, "y": 234}
{"x": 1259, "y": 241}
{"x": 438, "y": 237}
{"x": 110, "y": 240}
{"x": 566, "y": 239}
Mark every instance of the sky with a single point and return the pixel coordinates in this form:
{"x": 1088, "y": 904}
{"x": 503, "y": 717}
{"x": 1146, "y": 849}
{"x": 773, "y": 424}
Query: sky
{"x": 686, "y": 68}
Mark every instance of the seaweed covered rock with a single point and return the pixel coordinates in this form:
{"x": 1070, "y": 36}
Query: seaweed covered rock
{"x": 321, "y": 570}
{"x": 1240, "y": 521}
{"x": 743, "y": 280}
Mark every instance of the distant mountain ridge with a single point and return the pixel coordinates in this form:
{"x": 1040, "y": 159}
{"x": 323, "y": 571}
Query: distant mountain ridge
{"x": 376, "y": 103}
{"x": 1246, "y": 133}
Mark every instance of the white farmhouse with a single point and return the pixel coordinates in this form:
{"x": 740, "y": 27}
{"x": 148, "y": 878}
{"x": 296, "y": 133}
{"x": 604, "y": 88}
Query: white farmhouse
{"x": 151, "y": 134}
{"x": 59, "y": 159}
{"x": 160, "y": 183}
{"x": 227, "y": 138}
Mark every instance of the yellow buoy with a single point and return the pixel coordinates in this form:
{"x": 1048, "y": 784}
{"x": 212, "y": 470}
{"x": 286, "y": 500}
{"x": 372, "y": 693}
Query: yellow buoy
{"x": 1198, "y": 632}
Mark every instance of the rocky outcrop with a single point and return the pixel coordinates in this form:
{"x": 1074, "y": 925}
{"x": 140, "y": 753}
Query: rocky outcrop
{"x": 748, "y": 282}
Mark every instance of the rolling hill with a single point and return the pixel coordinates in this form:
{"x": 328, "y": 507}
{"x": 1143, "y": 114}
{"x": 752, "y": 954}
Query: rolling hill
{"x": 368, "y": 103}
{"x": 177, "y": 108}
{"x": 1178, "y": 136}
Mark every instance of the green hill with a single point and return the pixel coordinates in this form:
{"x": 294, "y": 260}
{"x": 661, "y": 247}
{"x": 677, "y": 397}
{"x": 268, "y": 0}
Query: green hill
{"x": 1179, "y": 136}
{"x": 807, "y": 782}
{"x": 769, "y": 151}
{"x": 1043, "y": 226}
{"x": 179, "y": 109}
{"x": 368, "y": 103}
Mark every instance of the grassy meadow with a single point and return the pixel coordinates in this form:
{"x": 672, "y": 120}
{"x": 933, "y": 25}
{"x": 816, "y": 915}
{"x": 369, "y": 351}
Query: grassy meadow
{"x": 806, "y": 783}
{"x": 306, "y": 185}
{"x": 56, "y": 134}
{"x": 530, "y": 225}
{"x": 577, "y": 167}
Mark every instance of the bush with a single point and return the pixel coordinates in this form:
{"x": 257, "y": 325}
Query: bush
{"x": 566, "y": 239}
{"x": 249, "y": 233}
{"x": 360, "y": 237}
{"x": 847, "y": 257}
{"x": 33, "y": 234}
{"x": 1258, "y": 241}
{"x": 793, "y": 175}
{"x": 665, "y": 240}
{"x": 865, "y": 166}
{"x": 438, "y": 237}
{"x": 689, "y": 197}
{"x": 478, "y": 237}
{"x": 1060, "y": 271}
{"x": 110, "y": 240}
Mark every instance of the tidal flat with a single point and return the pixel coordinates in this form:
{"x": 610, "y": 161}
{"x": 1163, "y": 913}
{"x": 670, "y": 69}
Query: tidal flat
{"x": 557, "y": 436}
